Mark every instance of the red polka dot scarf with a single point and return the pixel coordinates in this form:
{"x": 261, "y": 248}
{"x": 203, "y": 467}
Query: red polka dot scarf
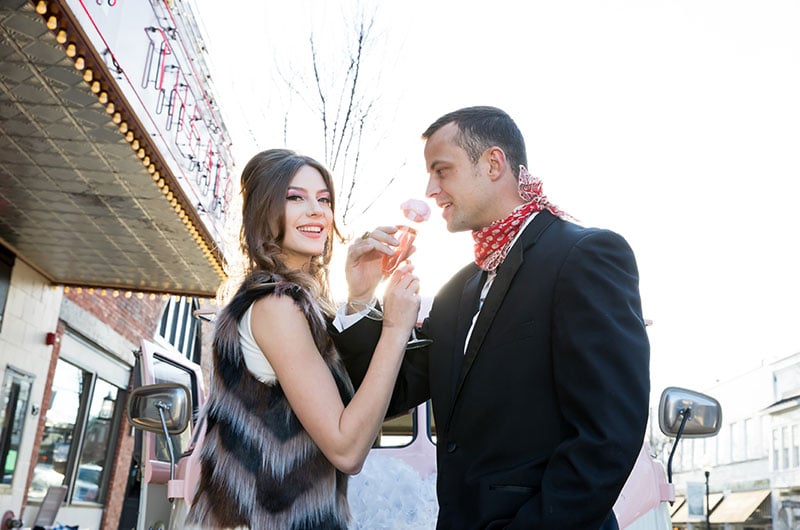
{"x": 493, "y": 242}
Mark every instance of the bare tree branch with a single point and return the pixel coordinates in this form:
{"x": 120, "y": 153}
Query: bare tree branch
{"x": 344, "y": 102}
{"x": 323, "y": 107}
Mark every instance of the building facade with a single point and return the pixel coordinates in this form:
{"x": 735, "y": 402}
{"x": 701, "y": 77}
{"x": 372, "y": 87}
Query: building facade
{"x": 67, "y": 365}
{"x": 115, "y": 180}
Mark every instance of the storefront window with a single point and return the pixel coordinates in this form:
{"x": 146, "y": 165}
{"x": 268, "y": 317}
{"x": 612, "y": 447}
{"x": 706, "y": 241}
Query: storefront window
{"x": 78, "y": 427}
{"x": 14, "y": 401}
{"x": 96, "y": 442}
{"x": 60, "y": 420}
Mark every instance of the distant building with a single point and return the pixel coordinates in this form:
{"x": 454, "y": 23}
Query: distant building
{"x": 754, "y": 462}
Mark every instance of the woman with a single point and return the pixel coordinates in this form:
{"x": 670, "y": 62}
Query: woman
{"x": 283, "y": 427}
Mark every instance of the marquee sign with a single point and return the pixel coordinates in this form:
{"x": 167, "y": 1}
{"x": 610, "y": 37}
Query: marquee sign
{"x": 155, "y": 53}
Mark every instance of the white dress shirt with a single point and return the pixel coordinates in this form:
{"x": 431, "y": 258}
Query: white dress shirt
{"x": 343, "y": 321}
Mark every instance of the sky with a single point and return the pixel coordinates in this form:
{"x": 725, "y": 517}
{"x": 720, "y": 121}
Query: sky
{"x": 674, "y": 123}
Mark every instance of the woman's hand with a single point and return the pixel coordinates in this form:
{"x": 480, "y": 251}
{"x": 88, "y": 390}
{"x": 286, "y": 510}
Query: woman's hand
{"x": 401, "y": 299}
{"x": 363, "y": 265}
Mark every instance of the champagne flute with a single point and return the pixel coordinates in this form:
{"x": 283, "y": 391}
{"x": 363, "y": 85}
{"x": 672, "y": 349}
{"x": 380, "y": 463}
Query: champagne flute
{"x": 416, "y": 211}
{"x": 406, "y": 236}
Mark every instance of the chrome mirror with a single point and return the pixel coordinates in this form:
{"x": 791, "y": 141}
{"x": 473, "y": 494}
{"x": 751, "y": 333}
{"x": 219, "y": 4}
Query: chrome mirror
{"x": 689, "y": 414}
{"x": 159, "y": 408}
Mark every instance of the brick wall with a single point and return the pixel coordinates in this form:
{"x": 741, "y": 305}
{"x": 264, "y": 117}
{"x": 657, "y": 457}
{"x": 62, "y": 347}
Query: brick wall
{"x": 119, "y": 478}
{"x": 134, "y": 316}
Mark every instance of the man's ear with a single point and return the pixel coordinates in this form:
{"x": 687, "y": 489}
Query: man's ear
{"x": 496, "y": 160}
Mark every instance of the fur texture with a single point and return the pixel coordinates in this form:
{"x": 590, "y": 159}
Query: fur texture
{"x": 260, "y": 469}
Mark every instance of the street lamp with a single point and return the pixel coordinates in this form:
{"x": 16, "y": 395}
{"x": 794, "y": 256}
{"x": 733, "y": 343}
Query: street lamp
{"x": 708, "y": 507}
{"x": 107, "y": 408}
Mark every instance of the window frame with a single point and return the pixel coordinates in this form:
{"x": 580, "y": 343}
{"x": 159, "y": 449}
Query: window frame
{"x": 20, "y": 413}
{"x": 93, "y": 366}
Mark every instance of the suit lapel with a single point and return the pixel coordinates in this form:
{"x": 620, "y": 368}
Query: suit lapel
{"x": 497, "y": 293}
{"x": 470, "y": 297}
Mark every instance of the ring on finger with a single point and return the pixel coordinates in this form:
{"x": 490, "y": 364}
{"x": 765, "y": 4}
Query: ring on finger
{"x": 366, "y": 235}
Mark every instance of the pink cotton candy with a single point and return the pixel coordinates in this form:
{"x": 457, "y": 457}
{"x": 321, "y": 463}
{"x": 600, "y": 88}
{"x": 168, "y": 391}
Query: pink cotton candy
{"x": 416, "y": 210}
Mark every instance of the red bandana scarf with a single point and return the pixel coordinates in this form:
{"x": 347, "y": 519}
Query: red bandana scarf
{"x": 493, "y": 242}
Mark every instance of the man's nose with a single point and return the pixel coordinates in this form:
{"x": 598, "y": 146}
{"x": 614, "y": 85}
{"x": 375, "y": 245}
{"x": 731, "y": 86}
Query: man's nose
{"x": 432, "y": 190}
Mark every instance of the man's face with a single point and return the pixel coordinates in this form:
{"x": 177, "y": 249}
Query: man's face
{"x": 458, "y": 186}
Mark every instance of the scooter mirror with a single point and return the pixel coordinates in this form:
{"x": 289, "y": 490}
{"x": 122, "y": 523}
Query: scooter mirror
{"x": 155, "y": 408}
{"x": 688, "y": 413}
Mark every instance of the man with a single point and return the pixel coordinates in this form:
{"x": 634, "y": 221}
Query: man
{"x": 539, "y": 368}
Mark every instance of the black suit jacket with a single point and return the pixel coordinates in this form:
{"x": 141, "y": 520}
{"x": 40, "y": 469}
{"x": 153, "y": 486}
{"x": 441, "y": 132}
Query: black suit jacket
{"x": 540, "y": 418}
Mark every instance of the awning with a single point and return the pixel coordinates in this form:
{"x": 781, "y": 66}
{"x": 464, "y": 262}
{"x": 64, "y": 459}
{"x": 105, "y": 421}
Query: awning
{"x": 94, "y": 189}
{"x": 682, "y": 514}
{"x": 737, "y": 507}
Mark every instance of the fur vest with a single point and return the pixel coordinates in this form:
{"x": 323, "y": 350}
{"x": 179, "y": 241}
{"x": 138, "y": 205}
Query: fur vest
{"x": 259, "y": 467}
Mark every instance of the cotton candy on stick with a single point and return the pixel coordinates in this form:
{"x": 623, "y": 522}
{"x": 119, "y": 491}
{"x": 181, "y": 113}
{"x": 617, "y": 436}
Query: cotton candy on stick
{"x": 416, "y": 210}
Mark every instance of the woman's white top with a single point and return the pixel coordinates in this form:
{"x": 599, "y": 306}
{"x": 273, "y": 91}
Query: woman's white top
{"x": 254, "y": 358}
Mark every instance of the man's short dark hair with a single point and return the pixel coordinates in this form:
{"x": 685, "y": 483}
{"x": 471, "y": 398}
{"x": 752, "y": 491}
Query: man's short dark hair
{"x": 480, "y": 128}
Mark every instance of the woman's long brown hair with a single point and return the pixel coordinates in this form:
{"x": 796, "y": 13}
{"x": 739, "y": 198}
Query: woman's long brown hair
{"x": 265, "y": 182}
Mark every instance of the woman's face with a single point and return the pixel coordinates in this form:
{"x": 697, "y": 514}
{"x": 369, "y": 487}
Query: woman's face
{"x": 308, "y": 217}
